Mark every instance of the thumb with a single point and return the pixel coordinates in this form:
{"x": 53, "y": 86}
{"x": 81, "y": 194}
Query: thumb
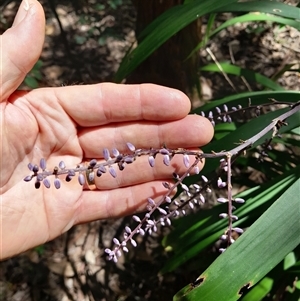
{"x": 21, "y": 46}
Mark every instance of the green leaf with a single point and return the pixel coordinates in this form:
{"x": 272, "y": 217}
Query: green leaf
{"x": 196, "y": 232}
{"x": 289, "y": 260}
{"x": 254, "y": 254}
{"x": 164, "y": 27}
{"x": 260, "y": 290}
{"x": 251, "y": 17}
{"x": 31, "y": 82}
{"x": 248, "y": 74}
{"x": 264, "y": 6}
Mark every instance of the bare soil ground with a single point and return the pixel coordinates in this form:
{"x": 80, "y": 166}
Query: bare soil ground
{"x": 93, "y": 42}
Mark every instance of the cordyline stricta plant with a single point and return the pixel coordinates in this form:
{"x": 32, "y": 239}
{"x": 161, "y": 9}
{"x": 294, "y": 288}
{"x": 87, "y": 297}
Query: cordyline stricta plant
{"x": 168, "y": 207}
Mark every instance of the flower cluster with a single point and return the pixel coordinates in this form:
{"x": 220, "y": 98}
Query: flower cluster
{"x": 166, "y": 208}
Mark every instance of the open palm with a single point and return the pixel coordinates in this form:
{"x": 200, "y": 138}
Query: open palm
{"x": 74, "y": 124}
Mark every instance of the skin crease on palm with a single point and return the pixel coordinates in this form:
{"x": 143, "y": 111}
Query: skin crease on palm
{"x": 74, "y": 124}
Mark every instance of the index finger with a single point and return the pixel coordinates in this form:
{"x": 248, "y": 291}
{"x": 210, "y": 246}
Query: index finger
{"x": 94, "y": 105}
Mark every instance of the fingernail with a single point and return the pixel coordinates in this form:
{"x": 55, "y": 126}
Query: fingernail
{"x": 26, "y": 5}
{"x": 22, "y": 12}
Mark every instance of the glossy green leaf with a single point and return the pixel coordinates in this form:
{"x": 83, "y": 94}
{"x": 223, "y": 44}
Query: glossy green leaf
{"x": 254, "y": 254}
{"x": 260, "y": 290}
{"x": 264, "y": 6}
{"x": 256, "y": 98}
{"x": 164, "y": 27}
{"x": 246, "y": 73}
{"x": 196, "y": 232}
{"x": 251, "y": 17}
{"x": 289, "y": 260}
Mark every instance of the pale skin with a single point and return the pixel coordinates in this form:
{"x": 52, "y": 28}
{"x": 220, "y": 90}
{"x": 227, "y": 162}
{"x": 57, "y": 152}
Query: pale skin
{"x": 74, "y": 124}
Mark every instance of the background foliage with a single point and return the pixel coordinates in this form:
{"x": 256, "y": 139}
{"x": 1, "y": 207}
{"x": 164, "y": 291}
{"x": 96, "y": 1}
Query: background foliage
{"x": 263, "y": 264}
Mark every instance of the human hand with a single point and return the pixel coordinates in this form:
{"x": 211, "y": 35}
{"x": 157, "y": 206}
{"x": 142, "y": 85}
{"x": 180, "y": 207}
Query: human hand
{"x": 74, "y": 124}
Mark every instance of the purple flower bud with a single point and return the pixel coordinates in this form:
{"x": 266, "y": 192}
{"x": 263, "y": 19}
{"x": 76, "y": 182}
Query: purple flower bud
{"x": 81, "y": 179}
{"x": 166, "y": 160}
{"x": 168, "y": 221}
{"x": 234, "y": 217}
{"x": 218, "y": 110}
{"x": 69, "y": 178}
{"x": 130, "y": 146}
{"x": 164, "y": 151}
{"x": 43, "y": 164}
{"x": 224, "y": 118}
{"x": 183, "y": 212}
{"x": 108, "y": 251}
{"x": 191, "y": 205}
{"x": 141, "y": 231}
{"x": 196, "y": 169}
{"x": 93, "y": 162}
{"x": 62, "y": 165}
{"x": 115, "y": 152}
{"x": 35, "y": 168}
{"x": 37, "y": 184}
{"x": 197, "y": 187}
{"x": 106, "y": 154}
{"x": 224, "y": 237}
{"x": 118, "y": 253}
{"x": 136, "y": 218}
{"x": 129, "y": 159}
{"x": 127, "y": 229}
{"x": 239, "y": 200}
{"x": 202, "y": 114}
{"x": 233, "y": 108}
{"x": 238, "y": 230}
{"x": 125, "y": 249}
{"x": 46, "y": 182}
{"x": 151, "y": 161}
{"x": 57, "y": 183}
{"x": 168, "y": 199}
{"x": 112, "y": 171}
{"x": 150, "y": 222}
{"x": 220, "y": 183}
{"x": 166, "y": 185}
{"x": 239, "y": 107}
{"x": 222, "y": 200}
{"x": 99, "y": 172}
{"x": 213, "y": 123}
{"x": 229, "y": 120}
{"x": 223, "y": 215}
{"x": 28, "y": 178}
{"x": 186, "y": 160}
{"x": 204, "y": 178}
{"x": 202, "y": 199}
{"x": 30, "y": 166}
{"x": 184, "y": 187}
{"x": 151, "y": 202}
{"x": 162, "y": 211}
{"x": 222, "y": 250}
{"x": 225, "y": 108}
{"x": 116, "y": 241}
{"x": 133, "y": 242}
